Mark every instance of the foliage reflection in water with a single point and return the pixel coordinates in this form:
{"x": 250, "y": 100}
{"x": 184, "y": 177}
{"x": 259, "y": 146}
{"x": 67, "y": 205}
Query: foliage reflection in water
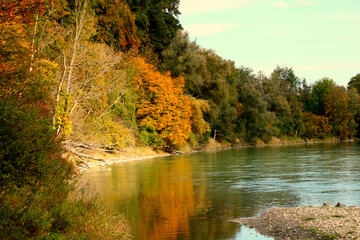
{"x": 194, "y": 196}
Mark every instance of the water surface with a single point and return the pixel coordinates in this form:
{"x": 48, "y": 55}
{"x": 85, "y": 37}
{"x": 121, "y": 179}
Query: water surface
{"x": 194, "y": 196}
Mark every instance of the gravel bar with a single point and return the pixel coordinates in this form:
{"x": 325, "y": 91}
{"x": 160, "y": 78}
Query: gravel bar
{"x": 327, "y": 222}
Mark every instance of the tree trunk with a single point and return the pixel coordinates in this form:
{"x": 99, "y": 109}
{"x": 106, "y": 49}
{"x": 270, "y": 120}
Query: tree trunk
{"x": 79, "y": 24}
{"x": 33, "y": 43}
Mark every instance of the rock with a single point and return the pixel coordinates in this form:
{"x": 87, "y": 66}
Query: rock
{"x": 340, "y": 205}
{"x": 327, "y": 204}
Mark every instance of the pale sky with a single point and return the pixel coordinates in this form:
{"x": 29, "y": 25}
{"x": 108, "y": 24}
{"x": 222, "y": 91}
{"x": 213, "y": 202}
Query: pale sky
{"x": 317, "y": 38}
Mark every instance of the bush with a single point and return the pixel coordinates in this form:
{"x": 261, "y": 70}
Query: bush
{"x": 35, "y": 215}
{"x": 36, "y": 182}
{"x": 150, "y": 137}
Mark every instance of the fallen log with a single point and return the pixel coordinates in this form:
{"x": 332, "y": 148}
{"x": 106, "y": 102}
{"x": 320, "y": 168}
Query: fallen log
{"x": 95, "y": 147}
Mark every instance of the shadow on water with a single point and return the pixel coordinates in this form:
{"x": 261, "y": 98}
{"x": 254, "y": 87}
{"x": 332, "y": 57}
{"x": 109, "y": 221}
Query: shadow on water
{"x": 194, "y": 196}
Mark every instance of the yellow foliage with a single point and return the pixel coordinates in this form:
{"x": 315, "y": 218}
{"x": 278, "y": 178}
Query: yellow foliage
{"x": 198, "y": 124}
{"x": 114, "y": 134}
{"x": 161, "y": 102}
{"x": 64, "y": 125}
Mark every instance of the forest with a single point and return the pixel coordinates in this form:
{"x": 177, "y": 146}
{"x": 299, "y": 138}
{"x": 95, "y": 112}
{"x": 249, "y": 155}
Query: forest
{"x": 120, "y": 73}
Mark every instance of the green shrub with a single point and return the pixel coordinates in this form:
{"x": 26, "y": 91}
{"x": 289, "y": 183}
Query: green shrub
{"x": 150, "y": 137}
{"x": 36, "y": 183}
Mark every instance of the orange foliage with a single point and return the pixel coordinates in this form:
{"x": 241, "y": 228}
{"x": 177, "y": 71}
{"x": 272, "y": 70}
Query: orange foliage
{"x": 16, "y": 26}
{"x": 116, "y": 24}
{"x": 161, "y": 102}
{"x": 315, "y": 126}
{"x": 14, "y": 11}
{"x": 239, "y": 110}
{"x": 174, "y": 201}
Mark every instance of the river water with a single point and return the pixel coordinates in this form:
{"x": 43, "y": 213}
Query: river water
{"x": 194, "y": 196}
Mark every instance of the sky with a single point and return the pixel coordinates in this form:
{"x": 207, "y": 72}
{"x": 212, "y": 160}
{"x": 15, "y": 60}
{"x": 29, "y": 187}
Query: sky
{"x": 316, "y": 38}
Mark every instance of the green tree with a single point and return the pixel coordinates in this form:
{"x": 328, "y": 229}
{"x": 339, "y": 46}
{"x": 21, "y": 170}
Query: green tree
{"x": 278, "y": 104}
{"x": 354, "y": 109}
{"x": 199, "y": 127}
{"x": 319, "y": 93}
{"x": 156, "y": 21}
{"x": 183, "y": 58}
{"x": 219, "y": 89}
{"x": 354, "y": 83}
{"x": 257, "y": 119}
{"x": 288, "y": 81}
{"x": 207, "y": 76}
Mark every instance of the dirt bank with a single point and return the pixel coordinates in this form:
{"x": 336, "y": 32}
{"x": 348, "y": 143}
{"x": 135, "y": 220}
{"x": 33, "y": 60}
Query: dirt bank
{"x": 307, "y": 223}
{"x": 86, "y": 156}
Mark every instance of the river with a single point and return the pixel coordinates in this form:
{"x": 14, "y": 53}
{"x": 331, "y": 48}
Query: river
{"x": 194, "y": 196}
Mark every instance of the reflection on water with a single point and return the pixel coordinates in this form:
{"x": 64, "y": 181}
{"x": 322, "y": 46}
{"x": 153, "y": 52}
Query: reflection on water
{"x": 194, "y": 196}
{"x": 248, "y": 233}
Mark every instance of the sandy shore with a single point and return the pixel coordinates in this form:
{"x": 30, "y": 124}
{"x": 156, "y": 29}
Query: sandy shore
{"x": 307, "y": 223}
{"x": 119, "y": 159}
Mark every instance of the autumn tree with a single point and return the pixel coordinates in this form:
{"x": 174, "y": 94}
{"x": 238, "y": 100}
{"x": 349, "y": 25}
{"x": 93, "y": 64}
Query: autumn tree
{"x": 17, "y": 28}
{"x": 115, "y": 24}
{"x": 337, "y": 110}
{"x": 199, "y": 127}
{"x": 21, "y": 12}
{"x": 105, "y": 106}
{"x": 314, "y": 126}
{"x": 34, "y": 178}
{"x": 161, "y": 104}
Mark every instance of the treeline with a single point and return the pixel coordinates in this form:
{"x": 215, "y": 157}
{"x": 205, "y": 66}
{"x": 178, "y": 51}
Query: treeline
{"x": 123, "y": 73}
{"x": 249, "y": 106}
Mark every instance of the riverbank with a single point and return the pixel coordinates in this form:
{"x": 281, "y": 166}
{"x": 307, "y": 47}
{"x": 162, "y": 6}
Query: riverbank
{"x": 327, "y": 222}
{"x": 89, "y": 157}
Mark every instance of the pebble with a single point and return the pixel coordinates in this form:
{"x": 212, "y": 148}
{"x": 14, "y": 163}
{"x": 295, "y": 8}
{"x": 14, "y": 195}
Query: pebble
{"x": 295, "y": 223}
{"x": 340, "y": 205}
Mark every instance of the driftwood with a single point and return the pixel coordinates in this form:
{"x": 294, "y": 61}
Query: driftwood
{"x": 72, "y": 147}
{"x": 95, "y": 147}
{"x": 82, "y": 156}
{"x": 82, "y": 162}
{"x": 175, "y": 152}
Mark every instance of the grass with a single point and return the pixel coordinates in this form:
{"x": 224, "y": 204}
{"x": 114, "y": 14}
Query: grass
{"x": 331, "y": 236}
{"x": 327, "y": 236}
{"x": 42, "y": 215}
{"x": 309, "y": 219}
{"x": 338, "y": 216}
